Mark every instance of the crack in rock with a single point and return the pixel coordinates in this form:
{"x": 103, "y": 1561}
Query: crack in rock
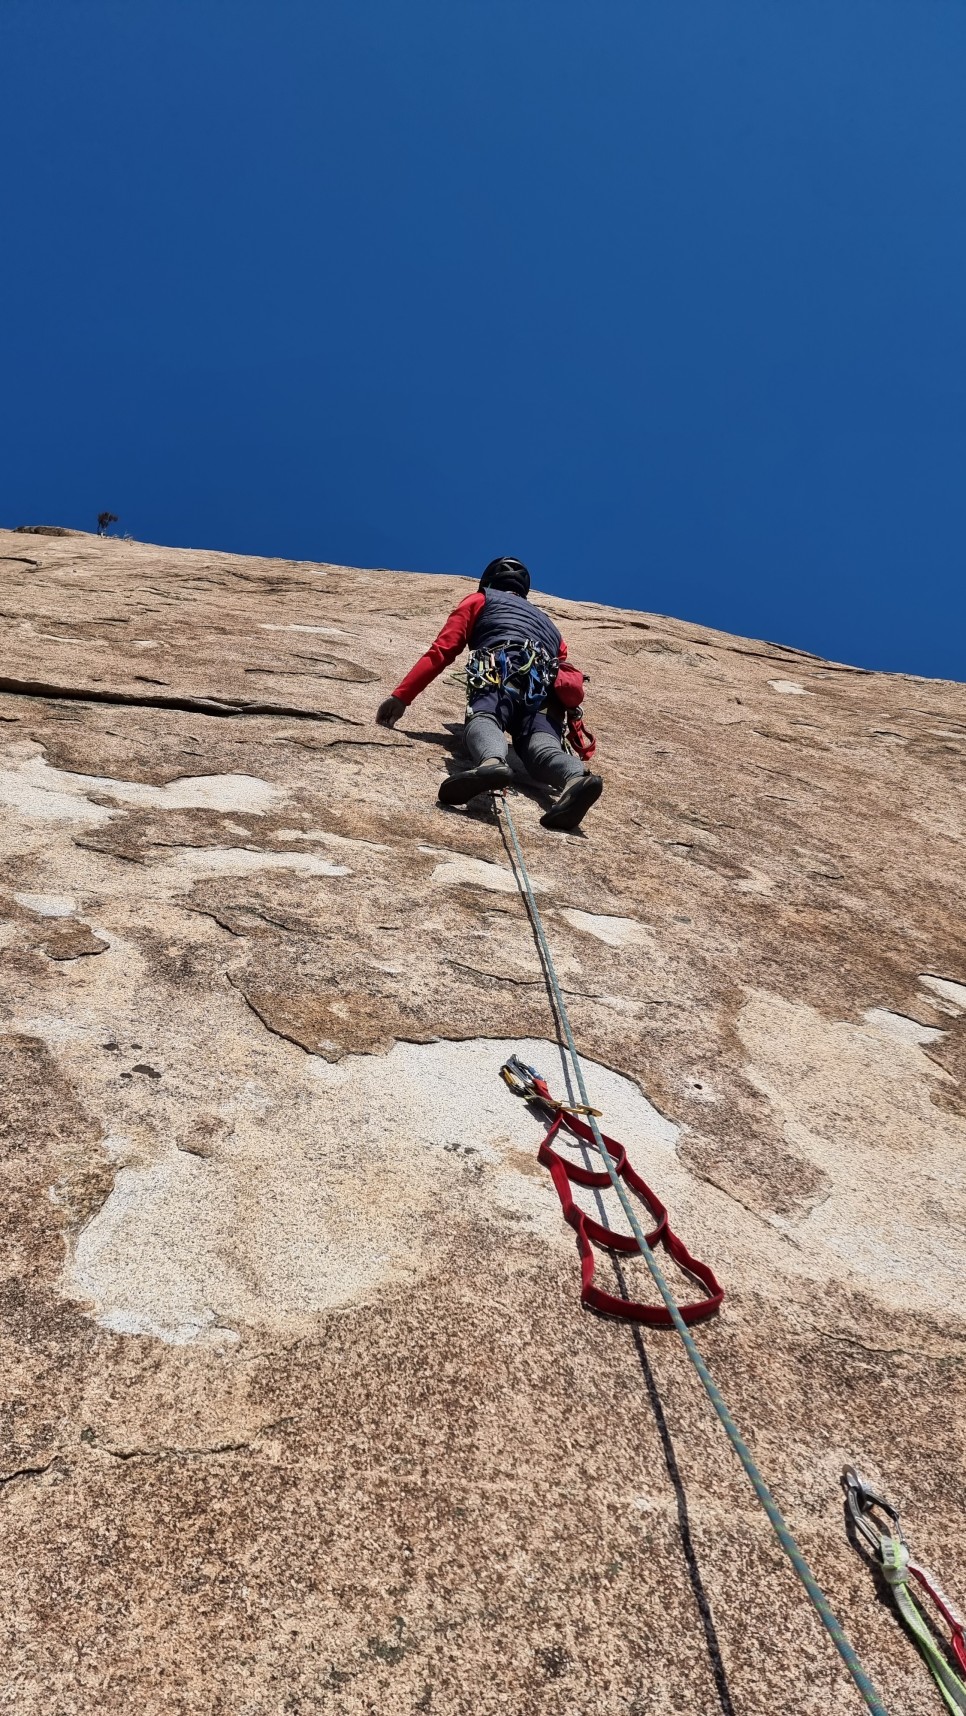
{"x": 193, "y": 705}
{"x": 163, "y": 1453}
{"x": 887, "y": 1352}
{"x": 24, "y": 1472}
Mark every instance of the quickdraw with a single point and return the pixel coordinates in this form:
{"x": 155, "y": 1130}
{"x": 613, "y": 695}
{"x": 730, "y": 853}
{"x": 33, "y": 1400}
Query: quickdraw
{"x": 525, "y": 1081}
{"x": 876, "y": 1521}
{"x": 576, "y": 737}
{"x": 525, "y": 671}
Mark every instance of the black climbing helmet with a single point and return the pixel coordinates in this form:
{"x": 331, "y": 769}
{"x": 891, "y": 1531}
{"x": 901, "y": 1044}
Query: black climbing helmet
{"x": 506, "y": 574}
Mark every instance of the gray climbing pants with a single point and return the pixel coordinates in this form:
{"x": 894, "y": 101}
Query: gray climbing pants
{"x": 535, "y": 743}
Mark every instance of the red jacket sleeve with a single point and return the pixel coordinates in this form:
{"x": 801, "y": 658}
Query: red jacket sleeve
{"x": 453, "y": 638}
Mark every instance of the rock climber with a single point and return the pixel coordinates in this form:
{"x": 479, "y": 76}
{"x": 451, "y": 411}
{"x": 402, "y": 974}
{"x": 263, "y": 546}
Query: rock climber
{"x": 519, "y": 682}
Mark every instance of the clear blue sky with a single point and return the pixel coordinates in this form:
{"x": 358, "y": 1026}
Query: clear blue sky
{"x": 667, "y": 297}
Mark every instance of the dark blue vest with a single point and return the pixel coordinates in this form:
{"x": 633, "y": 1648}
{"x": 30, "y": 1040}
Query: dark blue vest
{"x": 508, "y": 618}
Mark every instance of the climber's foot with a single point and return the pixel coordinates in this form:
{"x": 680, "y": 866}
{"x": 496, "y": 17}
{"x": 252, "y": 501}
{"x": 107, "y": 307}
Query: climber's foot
{"x": 574, "y": 802}
{"x": 486, "y": 777}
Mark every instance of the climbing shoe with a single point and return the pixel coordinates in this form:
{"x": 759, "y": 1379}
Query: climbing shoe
{"x": 486, "y": 777}
{"x": 574, "y": 802}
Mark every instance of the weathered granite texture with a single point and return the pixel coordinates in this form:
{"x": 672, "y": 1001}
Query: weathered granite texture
{"x": 300, "y": 1410}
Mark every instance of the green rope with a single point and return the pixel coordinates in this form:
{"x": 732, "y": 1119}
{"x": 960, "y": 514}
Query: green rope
{"x": 781, "y": 1530}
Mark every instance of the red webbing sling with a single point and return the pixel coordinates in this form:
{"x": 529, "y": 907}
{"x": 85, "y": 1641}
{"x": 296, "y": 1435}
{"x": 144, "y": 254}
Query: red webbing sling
{"x": 566, "y": 1173}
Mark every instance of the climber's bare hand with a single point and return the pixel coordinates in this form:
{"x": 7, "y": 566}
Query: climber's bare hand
{"x": 389, "y": 711}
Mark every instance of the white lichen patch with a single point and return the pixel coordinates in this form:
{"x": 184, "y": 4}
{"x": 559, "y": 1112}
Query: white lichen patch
{"x": 52, "y": 1029}
{"x": 322, "y": 631}
{"x": 613, "y": 931}
{"x": 479, "y": 873}
{"x": 948, "y": 991}
{"x": 243, "y": 860}
{"x": 47, "y": 905}
{"x": 755, "y": 883}
{"x": 329, "y": 1190}
{"x": 118, "y": 1146}
{"x": 234, "y": 793}
{"x": 172, "y": 1298}
{"x": 899, "y": 1027}
{"x": 789, "y": 688}
{"x": 324, "y": 838}
{"x": 855, "y": 1102}
{"x": 39, "y": 792}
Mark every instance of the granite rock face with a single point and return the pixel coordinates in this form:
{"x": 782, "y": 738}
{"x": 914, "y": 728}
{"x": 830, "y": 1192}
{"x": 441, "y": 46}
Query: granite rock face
{"x": 300, "y": 1409}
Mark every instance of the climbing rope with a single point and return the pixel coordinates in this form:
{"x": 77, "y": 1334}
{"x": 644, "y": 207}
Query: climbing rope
{"x": 877, "y": 1522}
{"x": 815, "y": 1594}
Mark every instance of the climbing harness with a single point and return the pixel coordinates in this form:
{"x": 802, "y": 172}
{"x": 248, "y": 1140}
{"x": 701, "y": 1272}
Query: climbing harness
{"x": 815, "y": 1594}
{"x": 876, "y": 1521}
{"x": 525, "y": 671}
{"x": 526, "y": 1081}
{"x": 529, "y": 675}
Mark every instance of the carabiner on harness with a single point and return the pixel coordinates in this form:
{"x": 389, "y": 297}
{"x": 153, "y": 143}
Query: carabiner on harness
{"x": 876, "y": 1521}
{"x": 523, "y": 670}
